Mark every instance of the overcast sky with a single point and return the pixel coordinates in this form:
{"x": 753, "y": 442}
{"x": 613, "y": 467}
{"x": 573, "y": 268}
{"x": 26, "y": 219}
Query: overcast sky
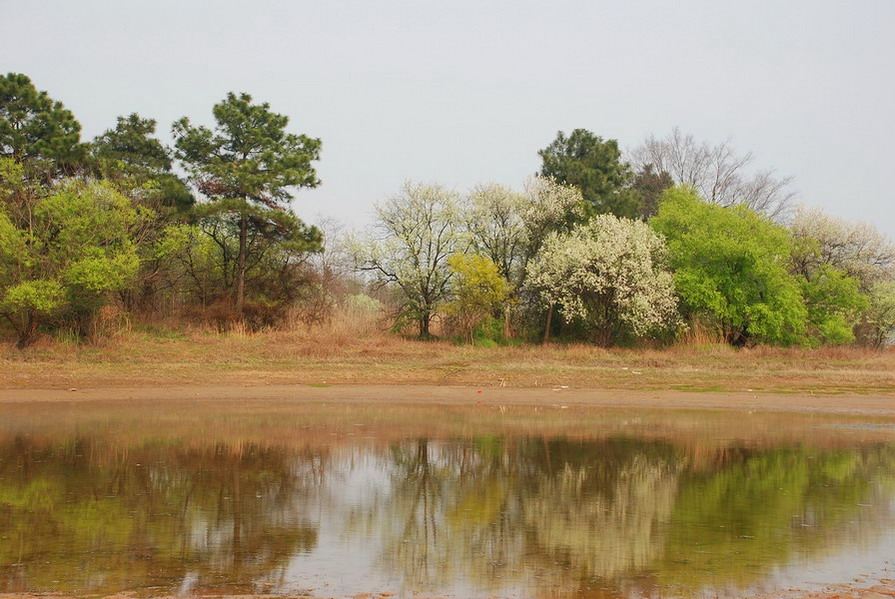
{"x": 465, "y": 91}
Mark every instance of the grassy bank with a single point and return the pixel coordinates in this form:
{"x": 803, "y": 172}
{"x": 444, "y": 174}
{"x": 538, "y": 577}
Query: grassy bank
{"x": 159, "y": 356}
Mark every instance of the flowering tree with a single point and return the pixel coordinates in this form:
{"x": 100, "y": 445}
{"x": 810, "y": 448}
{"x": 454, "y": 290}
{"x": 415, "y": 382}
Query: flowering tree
{"x": 878, "y": 325}
{"x": 608, "y": 273}
{"x": 856, "y": 248}
{"x": 415, "y": 232}
{"x": 509, "y": 227}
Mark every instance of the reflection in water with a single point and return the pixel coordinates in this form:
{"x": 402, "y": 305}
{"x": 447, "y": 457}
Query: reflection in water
{"x": 605, "y": 515}
{"x": 81, "y": 515}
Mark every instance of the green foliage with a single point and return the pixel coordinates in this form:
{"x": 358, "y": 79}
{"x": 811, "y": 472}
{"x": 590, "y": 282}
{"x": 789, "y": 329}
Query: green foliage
{"x": 130, "y": 155}
{"x": 479, "y": 292}
{"x": 834, "y": 303}
{"x": 730, "y": 269}
{"x": 248, "y": 154}
{"x": 36, "y": 130}
{"x": 65, "y": 260}
{"x": 650, "y": 185}
{"x": 594, "y": 166}
{"x": 247, "y": 167}
{"x": 43, "y": 297}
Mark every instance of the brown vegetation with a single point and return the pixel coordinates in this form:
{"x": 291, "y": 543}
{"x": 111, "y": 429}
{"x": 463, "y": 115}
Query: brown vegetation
{"x": 354, "y": 349}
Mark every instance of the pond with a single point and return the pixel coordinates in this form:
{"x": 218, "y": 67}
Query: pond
{"x": 334, "y": 499}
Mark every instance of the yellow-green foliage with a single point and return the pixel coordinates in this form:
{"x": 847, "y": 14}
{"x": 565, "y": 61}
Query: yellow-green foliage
{"x": 730, "y": 267}
{"x": 72, "y": 250}
{"x": 478, "y": 289}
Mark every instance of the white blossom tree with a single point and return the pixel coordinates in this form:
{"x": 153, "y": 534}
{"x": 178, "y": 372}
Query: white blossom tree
{"x": 856, "y": 248}
{"x": 414, "y": 233}
{"x": 610, "y": 274}
{"x": 509, "y": 227}
{"x": 878, "y": 326}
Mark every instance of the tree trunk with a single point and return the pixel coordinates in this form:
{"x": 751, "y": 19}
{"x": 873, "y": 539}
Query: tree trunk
{"x": 241, "y": 263}
{"x": 424, "y": 326}
{"x": 28, "y": 333}
{"x": 549, "y": 322}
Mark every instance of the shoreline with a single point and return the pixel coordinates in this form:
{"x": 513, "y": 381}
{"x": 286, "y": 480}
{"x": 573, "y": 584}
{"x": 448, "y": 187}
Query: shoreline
{"x": 416, "y": 394}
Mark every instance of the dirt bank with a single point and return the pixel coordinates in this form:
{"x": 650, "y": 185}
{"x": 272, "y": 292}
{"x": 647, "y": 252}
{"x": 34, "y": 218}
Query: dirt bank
{"x": 458, "y": 395}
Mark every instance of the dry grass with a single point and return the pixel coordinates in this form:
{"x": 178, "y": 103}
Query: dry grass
{"x": 353, "y": 349}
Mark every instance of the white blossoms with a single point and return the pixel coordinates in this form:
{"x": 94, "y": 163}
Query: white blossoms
{"x": 608, "y": 272}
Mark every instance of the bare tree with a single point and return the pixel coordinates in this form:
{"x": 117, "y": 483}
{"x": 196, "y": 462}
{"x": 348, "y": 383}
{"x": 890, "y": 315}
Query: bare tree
{"x": 718, "y": 172}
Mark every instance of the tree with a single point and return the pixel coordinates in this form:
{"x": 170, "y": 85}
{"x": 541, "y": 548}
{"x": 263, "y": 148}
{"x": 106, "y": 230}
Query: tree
{"x": 878, "y": 325}
{"x": 37, "y": 131}
{"x": 130, "y": 155}
{"x": 834, "y": 305}
{"x": 198, "y": 261}
{"x": 415, "y": 233}
{"x": 730, "y": 268}
{"x": 66, "y": 258}
{"x": 858, "y": 249}
{"x": 509, "y": 227}
{"x": 594, "y": 166}
{"x": 650, "y": 185}
{"x": 610, "y": 274}
{"x": 478, "y": 290}
{"x": 247, "y": 167}
{"x": 719, "y": 174}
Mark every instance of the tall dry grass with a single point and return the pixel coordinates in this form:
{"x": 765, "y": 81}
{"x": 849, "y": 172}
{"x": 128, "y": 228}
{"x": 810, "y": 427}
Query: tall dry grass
{"x": 355, "y": 345}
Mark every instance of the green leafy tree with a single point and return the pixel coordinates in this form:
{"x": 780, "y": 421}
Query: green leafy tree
{"x": 834, "y": 303}
{"x": 594, "y": 166}
{"x": 36, "y": 130}
{"x": 479, "y": 291}
{"x": 247, "y": 167}
{"x": 131, "y": 155}
{"x": 730, "y": 268}
{"x": 74, "y": 250}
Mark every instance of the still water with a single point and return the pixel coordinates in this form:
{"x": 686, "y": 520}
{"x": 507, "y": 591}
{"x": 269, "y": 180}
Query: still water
{"x": 328, "y": 499}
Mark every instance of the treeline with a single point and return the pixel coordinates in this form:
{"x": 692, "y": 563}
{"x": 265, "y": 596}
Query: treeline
{"x": 677, "y": 238}
{"x": 86, "y": 224}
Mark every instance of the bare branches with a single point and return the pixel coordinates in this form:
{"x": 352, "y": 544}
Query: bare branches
{"x": 718, "y": 172}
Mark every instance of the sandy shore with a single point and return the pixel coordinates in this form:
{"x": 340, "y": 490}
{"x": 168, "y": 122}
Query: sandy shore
{"x": 883, "y": 405}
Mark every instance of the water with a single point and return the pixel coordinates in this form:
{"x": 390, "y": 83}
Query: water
{"x": 279, "y": 497}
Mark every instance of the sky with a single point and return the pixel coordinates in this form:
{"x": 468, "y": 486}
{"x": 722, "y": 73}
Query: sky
{"x": 461, "y": 92}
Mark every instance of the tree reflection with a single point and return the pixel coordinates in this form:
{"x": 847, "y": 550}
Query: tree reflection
{"x": 556, "y": 517}
{"x": 108, "y": 517}
{"x": 609, "y": 517}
